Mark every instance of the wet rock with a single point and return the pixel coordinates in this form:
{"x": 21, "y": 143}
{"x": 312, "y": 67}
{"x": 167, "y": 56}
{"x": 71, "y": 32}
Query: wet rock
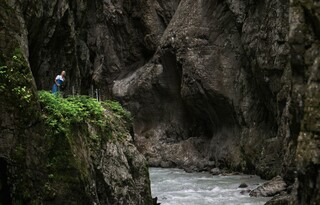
{"x": 79, "y": 165}
{"x": 304, "y": 38}
{"x": 215, "y": 171}
{"x": 166, "y": 164}
{"x": 155, "y": 201}
{"x": 223, "y": 80}
{"x": 185, "y": 69}
{"x": 191, "y": 169}
{"x": 154, "y": 162}
{"x": 243, "y": 185}
{"x": 196, "y": 95}
{"x": 281, "y": 200}
{"x": 270, "y": 188}
{"x": 286, "y": 198}
{"x": 246, "y": 191}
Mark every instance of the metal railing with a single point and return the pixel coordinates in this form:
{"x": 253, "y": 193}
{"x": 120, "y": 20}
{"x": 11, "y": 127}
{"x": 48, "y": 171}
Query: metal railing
{"x": 94, "y": 93}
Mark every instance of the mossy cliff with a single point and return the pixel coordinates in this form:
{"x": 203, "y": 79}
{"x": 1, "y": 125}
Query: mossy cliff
{"x": 89, "y": 153}
{"x": 21, "y": 159}
{"x": 61, "y": 151}
{"x": 65, "y": 151}
{"x": 210, "y": 83}
{"x": 305, "y": 50}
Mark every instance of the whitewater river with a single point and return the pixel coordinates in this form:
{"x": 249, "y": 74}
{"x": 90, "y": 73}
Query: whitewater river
{"x": 176, "y": 187}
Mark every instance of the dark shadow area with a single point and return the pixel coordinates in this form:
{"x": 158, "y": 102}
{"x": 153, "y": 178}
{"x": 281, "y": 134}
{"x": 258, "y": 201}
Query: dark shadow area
{"x": 5, "y": 198}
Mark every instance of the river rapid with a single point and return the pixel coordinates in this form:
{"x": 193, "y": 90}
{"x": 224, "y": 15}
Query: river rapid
{"x": 177, "y": 187}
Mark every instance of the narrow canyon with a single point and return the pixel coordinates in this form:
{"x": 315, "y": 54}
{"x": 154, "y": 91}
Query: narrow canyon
{"x": 232, "y": 85}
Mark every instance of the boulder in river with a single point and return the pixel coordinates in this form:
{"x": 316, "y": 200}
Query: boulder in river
{"x": 286, "y": 198}
{"x": 155, "y": 201}
{"x": 243, "y": 185}
{"x": 215, "y": 171}
{"x": 270, "y": 188}
{"x": 282, "y": 200}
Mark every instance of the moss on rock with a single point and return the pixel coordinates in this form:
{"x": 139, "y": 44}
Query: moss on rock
{"x": 79, "y": 133}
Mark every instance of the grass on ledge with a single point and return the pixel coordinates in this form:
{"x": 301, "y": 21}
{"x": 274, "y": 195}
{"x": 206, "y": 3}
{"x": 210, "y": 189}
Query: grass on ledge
{"x": 60, "y": 113}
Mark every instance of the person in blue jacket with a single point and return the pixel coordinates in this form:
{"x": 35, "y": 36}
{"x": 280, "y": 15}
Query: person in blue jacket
{"x": 58, "y": 81}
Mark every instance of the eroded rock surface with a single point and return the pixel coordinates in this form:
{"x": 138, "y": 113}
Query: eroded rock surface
{"x": 210, "y": 83}
{"x": 40, "y": 167}
{"x": 219, "y": 87}
{"x": 304, "y": 38}
{"x": 270, "y": 188}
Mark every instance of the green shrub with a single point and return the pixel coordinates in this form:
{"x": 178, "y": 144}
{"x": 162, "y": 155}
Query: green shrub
{"x": 118, "y": 109}
{"x": 60, "y": 112}
{"x": 70, "y": 122}
{"x": 16, "y": 81}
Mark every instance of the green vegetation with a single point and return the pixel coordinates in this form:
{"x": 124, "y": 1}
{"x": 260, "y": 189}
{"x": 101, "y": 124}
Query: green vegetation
{"x": 118, "y": 109}
{"x": 70, "y": 132}
{"x": 19, "y": 102}
{"x": 73, "y": 124}
{"x": 16, "y": 81}
{"x": 15, "y": 76}
{"x": 60, "y": 113}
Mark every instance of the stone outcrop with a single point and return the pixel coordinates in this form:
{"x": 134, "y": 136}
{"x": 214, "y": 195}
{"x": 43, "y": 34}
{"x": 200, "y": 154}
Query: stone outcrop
{"x": 305, "y": 49}
{"x": 207, "y": 84}
{"x": 211, "y": 84}
{"x": 20, "y": 131}
{"x": 39, "y": 167}
{"x": 218, "y": 90}
{"x": 288, "y": 197}
{"x": 270, "y": 188}
{"x": 87, "y": 168}
{"x": 99, "y": 41}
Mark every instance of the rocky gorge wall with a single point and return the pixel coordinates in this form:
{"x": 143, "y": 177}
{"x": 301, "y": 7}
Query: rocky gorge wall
{"x": 304, "y": 40}
{"x": 48, "y": 158}
{"x": 223, "y": 81}
{"x": 221, "y": 77}
{"x": 210, "y": 83}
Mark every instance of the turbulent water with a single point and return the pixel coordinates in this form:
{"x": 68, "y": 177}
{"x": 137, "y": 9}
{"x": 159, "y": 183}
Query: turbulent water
{"x": 176, "y": 187}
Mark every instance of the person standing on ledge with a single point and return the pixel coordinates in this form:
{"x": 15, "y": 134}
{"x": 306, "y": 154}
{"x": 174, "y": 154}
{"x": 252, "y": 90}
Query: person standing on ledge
{"x": 58, "y": 82}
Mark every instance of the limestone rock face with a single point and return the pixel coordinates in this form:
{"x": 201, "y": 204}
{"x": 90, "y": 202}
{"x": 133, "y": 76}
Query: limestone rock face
{"x": 218, "y": 91}
{"x": 97, "y": 171}
{"x": 209, "y": 82}
{"x": 20, "y": 130}
{"x": 39, "y": 168}
{"x": 270, "y": 188}
{"x": 304, "y": 38}
{"x": 288, "y": 197}
{"x": 94, "y": 41}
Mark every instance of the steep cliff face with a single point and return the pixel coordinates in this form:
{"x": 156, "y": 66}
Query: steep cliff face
{"x": 89, "y": 155}
{"x": 20, "y": 131}
{"x": 98, "y": 40}
{"x": 47, "y": 159}
{"x": 208, "y": 82}
{"x": 218, "y": 90}
{"x": 304, "y": 39}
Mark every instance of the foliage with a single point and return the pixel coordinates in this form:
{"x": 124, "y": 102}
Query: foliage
{"x": 118, "y": 109}
{"x": 70, "y": 122}
{"x": 16, "y": 79}
{"x": 61, "y": 113}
